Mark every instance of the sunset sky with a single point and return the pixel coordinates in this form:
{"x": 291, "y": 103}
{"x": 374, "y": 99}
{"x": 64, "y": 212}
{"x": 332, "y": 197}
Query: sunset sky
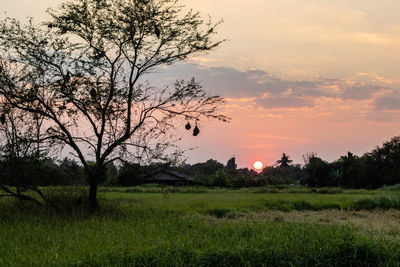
{"x": 299, "y": 76}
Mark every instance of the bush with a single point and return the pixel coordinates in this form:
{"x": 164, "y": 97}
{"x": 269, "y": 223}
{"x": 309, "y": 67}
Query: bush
{"x": 133, "y": 190}
{"x": 66, "y": 199}
{"x": 326, "y": 190}
{"x": 383, "y": 203}
{"x": 300, "y": 205}
{"x": 219, "y": 213}
{"x": 395, "y": 187}
{"x": 279, "y": 205}
{"x": 303, "y": 205}
{"x": 316, "y": 172}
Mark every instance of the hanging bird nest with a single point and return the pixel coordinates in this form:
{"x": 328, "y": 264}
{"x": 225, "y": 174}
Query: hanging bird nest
{"x": 3, "y": 118}
{"x": 67, "y": 77}
{"x": 93, "y": 93}
{"x": 196, "y": 131}
{"x": 157, "y": 31}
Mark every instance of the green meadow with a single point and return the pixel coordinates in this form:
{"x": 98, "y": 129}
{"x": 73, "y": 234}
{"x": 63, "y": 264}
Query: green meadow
{"x": 195, "y": 226}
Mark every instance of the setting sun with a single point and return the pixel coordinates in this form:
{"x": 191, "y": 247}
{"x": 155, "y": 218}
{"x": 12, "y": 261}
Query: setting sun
{"x": 258, "y": 165}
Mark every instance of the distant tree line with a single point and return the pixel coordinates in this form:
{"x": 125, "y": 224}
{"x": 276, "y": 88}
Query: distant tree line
{"x": 374, "y": 169}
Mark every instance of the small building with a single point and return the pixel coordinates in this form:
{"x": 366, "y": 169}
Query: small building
{"x": 169, "y": 178}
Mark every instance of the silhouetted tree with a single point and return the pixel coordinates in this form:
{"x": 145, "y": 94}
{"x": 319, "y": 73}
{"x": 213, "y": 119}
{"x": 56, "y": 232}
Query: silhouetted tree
{"x": 336, "y": 177}
{"x": 316, "y": 172}
{"x": 82, "y": 72}
{"x": 72, "y": 173}
{"x": 22, "y": 165}
{"x": 111, "y": 174}
{"x": 383, "y": 164}
{"x": 231, "y": 164}
{"x": 277, "y": 175}
{"x": 349, "y": 171}
{"x": 131, "y": 174}
{"x": 204, "y": 173}
{"x": 221, "y": 179}
{"x": 284, "y": 162}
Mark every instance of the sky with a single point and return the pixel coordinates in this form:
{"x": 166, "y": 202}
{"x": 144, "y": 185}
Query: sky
{"x": 299, "y": 76}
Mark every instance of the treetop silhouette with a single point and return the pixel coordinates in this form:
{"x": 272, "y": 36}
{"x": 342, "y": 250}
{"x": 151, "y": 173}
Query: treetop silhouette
{"x": 82, "y": 72}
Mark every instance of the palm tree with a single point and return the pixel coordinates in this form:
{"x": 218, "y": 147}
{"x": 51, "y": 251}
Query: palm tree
{"x": 284, "y": 161}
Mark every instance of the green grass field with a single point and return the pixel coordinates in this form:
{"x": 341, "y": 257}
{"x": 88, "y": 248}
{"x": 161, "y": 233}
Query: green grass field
{"x": 206, "y": 227}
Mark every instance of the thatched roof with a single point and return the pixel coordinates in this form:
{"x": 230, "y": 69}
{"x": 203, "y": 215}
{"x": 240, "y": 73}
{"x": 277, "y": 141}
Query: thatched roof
{"x": 169, "y": 176}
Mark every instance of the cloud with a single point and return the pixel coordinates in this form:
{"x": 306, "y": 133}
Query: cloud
{"x": 267, "y": 91}
{"x": 284, "y": 102}
{"x": 256, "y": 73}
{"x": 387, "y": 103}
{"x": 227, "y": 81}
{"x": 235, "y": 83}
{"x": 360, "y": 92}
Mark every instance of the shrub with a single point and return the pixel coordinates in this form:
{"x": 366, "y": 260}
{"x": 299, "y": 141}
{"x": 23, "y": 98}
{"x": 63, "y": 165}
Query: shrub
{"x": 326, "y": 190}
{"x": 384, "y": 203}
{"x": 66, "y": 198}
{"x": 327, "y": 206}
{"x": 219, "y": 213}
{"x": 302, "y": 205}
{"x": 133, "y": 190}
{"x": 395, "y": 187}
{"x": 279, "y": 205}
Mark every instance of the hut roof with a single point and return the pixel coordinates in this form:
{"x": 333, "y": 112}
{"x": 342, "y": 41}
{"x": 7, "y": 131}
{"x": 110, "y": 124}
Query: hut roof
{"x": 167, "y": 175}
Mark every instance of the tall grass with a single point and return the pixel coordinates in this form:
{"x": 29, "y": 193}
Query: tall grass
{"x": 144, "y": 229}
{"x": 383, "y": 203}
{"x": 173, "y": 239}
{"x": 395, "y": 187}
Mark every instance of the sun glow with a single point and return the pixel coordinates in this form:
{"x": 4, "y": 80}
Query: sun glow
{"x": 258, "y": 165}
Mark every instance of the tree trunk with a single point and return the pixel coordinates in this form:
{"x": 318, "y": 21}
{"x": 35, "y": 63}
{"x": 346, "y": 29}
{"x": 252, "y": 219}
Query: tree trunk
{"x": 93, "y": 193}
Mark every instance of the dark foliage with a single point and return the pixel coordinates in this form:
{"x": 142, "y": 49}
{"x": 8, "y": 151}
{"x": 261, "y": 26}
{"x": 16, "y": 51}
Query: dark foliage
{"x": 316, "y": 172}
{"x": 383, "y": 164}
{"x": 284, "y": 162}
{"x": 130, "y": 175}
{"x": 71, "y": 172}
{"x": 82, "y": 73}
{"x": 282, "y": 175}
{"x": 372, "y": 170}
{"x": 231, "y": 164}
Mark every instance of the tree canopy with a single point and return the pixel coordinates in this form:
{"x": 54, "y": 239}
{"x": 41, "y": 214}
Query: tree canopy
{"x": 284, "y": 161}
{"x": 82, "y": 72}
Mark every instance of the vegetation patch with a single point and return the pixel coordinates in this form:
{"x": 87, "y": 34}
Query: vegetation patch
{"x": 221, "y": 213}
{"x": 148, "y": 230}
{"x": 68, "y": 203}
{"x": 328, "y": 190}
{"x": 383, "y": 203}
{"x": 154, "y": 188}
{"x": 300, "y": 205}
{"x": 395, "y": 187}
{"x": 276, "y": 245}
